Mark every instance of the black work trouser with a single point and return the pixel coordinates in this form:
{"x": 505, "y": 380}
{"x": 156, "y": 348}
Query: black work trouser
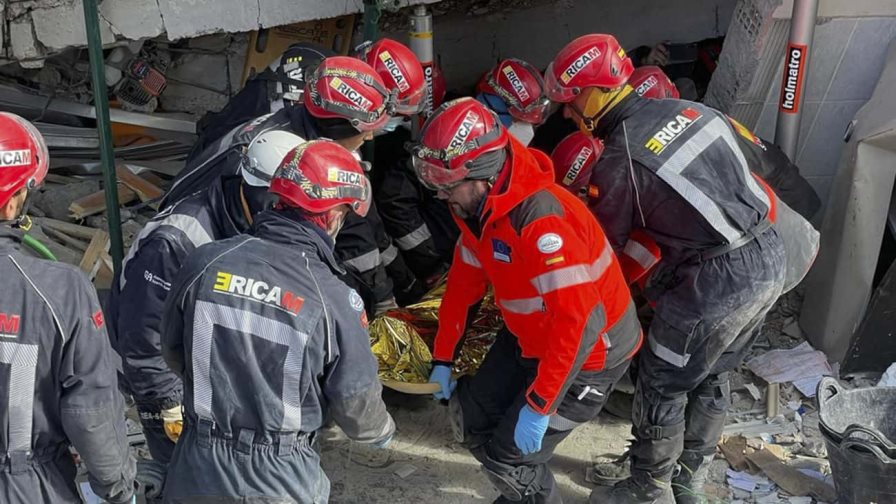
{"x": 160, "y": 446}
{"x": 490, "y": 403}
{"x": 704, "y": 326}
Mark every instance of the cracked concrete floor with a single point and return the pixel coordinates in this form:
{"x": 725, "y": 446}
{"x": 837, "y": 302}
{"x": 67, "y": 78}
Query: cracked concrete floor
{"x": 442, "y": 471}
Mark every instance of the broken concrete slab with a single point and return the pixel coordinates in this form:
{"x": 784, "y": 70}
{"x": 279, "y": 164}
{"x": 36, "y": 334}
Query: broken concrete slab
{"x": 191, "y": 18}
{"x": 21, "y": 39}
{"x": 63, "y": 26}
{"x": 133, "y": 19}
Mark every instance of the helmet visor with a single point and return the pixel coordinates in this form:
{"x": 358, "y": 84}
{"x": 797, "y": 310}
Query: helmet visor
{"x": 412, "y": 104}
{"x": 436, "y": 176}
{"x": 556, "y": 90}
{"x": 536, "y": 113}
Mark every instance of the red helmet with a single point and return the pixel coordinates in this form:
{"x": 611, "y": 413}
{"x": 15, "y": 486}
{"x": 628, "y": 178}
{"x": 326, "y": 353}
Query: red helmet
{"x": 347, "y": 88}
{"x": 401, "y": 71}
{"x": 574, "y": 159}
{"x": 453, "y": 139}
{"x": 320, "y": 175}
{"x": 651, "y": 82}
{"x": 521, "y": 87}
{"x": 24, "y": 158}
{"x": 588, "y": 61}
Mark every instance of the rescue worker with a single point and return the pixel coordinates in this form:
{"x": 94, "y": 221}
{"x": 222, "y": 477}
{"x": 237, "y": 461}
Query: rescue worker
{"x": 420, "y": 224}
{"x": 154, "y": 262}
{"x": 58, "y": 380}
{"x": 278, "y": 86}
{"x": 514, "y": 90}
{"x": 345, "y": 100}
{"x": 773, "y": 164}
{"x": 287, "y": 338}
{"x": 674, "y": 168}
{"x": 570, "y": 324}
{"x": 402, "y": 250}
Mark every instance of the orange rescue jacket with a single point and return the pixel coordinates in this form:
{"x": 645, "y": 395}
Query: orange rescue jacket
{"x": 555, "y": 277}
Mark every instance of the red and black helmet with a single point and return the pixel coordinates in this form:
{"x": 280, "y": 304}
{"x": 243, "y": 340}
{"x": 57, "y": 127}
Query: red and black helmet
{"x": 651, "y": 82}
{"x": 400, "y": 70}
{"x": 588, "y": 61}
{"x": 521, "y": 87}
{"x": 574, "y": 159}
{"x": 24, "y": 159}
{"x": 455, "y": 142}
{"x": 347, "y": 88}
{"x": 320, "y": 175}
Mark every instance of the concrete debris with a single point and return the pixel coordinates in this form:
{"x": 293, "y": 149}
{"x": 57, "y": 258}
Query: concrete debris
{"x": 63, "y": 26}
{"x": 405, "y": 470}
{"x": 754, "y": 391}
{"x": 24, "y": 44}
{"x": 133, "y": 19}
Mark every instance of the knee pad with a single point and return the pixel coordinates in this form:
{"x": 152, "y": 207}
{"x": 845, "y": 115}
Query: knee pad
{"x": 514, "y": 482}
{"x": 652, "y": 410}
{"x": 714, "y": 394}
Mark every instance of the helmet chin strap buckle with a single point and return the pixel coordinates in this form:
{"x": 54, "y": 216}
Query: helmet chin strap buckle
{"x": 589, "y": 123}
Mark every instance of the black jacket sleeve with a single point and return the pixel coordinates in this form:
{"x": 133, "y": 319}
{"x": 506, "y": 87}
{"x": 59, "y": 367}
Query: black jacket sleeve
{"x": 359, "y": 254}
{"x": 351, "y": 385}
{"x": 400, "y": 206}
{"x": 91, "y": 407}
{"x": 149, "y": 275}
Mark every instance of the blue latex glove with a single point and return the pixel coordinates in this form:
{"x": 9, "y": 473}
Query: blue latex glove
{"x": 441, "y": 374}
{"x": 530, "y": 429}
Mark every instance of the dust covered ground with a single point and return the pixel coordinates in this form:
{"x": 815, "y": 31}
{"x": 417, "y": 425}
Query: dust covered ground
{"x": 440, "y": 469}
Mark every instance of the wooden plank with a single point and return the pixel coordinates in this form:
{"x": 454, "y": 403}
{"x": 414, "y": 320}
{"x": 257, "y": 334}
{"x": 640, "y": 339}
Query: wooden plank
{"x": 789, "y": 479}
{"x": 68, "y": 228}
{"x": 145, "y": 189}
{"x": 66, "y": 240}
{"x": 98, "y": 245}
{"x": 62, "y": 179}
{"x": 152, "y": 178}
{"x": 96, "y": 202}
{"x": 104, "y": 273}
{"x": 735, "y": 451}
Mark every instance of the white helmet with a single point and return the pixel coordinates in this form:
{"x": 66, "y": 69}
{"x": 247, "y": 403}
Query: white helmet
{"x": 264, "y": 155}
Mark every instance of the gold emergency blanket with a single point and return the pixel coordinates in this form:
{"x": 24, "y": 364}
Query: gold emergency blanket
{"x": 402, "y": 339}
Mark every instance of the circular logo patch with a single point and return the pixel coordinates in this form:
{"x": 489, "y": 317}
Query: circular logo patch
{"x": 355, "y": 300}
{"x": 549, "y": 243}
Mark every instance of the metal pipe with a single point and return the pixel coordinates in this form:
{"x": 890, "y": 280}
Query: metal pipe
{"x": 420, "y": 42}
{"x": 104, "y": 129}
{"x": 796, "y": 69}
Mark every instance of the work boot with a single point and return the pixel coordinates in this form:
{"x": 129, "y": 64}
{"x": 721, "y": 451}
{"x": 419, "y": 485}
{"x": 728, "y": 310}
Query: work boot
{"x": 638, "y": 489}
{"x": 688, "y": 484}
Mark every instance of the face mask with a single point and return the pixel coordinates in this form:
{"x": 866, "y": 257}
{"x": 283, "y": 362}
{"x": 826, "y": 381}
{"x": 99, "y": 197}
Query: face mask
{"x": 335, "y": 227}
{"x": 393, "y": 124}
{"x": 522, "y": 131}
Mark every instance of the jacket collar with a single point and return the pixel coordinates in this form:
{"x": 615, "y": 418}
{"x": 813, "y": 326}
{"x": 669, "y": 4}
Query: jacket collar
{"x": 10, "y": 238}
{"x": 615, "y": 116}
{"x": 287, "y": 227}
{"x": 527, "y": 172}
{"x": 301, "y": 123}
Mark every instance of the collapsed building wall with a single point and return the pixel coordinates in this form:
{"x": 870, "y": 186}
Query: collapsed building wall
{"x": 33, "y": 29}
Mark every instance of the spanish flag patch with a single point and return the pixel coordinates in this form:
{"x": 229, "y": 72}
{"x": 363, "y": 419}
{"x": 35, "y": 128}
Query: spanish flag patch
{"x": 554, "y": 260}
